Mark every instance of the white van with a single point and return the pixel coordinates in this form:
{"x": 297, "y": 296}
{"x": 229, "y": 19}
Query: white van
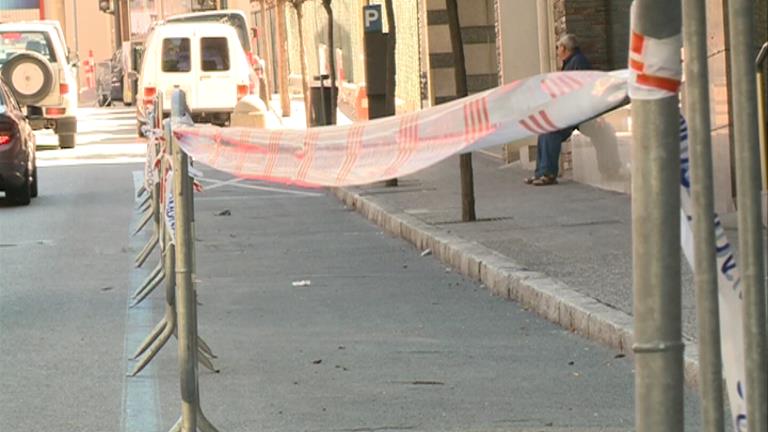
{"x": 206, "y": 60}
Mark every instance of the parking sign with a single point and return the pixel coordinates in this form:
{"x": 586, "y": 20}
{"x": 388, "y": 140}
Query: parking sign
{"x": 372, "y": 18}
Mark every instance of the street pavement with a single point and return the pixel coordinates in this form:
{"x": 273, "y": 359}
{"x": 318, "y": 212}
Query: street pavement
{"x": 380, "y": 337}
{"x": 565, "y": 251}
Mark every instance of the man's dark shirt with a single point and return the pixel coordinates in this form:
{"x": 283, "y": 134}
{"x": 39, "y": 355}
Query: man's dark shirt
{"x": 576, "y": 61}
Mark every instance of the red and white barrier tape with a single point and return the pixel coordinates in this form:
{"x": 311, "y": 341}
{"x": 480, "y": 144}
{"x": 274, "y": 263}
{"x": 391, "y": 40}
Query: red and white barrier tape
{"x": 654, "y": 64}
{"x": 396, "y": 146}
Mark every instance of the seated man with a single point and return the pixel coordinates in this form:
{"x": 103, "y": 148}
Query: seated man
{"x": 549, "y": 145}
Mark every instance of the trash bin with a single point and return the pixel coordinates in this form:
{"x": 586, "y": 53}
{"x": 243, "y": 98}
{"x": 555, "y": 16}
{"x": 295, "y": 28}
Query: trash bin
{"x": 322, "y": 107}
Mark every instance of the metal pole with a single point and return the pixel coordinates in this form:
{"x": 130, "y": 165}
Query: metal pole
{"x": 705, "y": 264}
{"x": 186, "y": 307}
{"x": 656, "y": 242}
{"x": 77, "y": 28}
{"x": 744, "y": 117}
{"x": 118, "y": 25}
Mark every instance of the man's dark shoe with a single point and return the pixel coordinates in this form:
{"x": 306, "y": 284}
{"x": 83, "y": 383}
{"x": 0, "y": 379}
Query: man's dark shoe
{"x": 545, "y": 181}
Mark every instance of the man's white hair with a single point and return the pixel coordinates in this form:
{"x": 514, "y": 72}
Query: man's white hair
{"x": 568, "y": 41}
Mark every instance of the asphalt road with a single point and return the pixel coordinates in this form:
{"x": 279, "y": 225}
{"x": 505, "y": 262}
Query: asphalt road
{"x": 380, "y": 339}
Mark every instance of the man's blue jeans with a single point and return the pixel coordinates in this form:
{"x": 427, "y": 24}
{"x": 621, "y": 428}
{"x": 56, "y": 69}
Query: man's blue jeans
{"x": 548, "y": 152}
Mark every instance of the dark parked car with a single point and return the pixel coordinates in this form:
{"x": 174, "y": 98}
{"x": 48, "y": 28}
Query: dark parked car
{"x": 18, "y": 167}
{"x": 109, "y": 80}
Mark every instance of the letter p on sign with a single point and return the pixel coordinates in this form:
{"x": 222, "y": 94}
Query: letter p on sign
{"x": 372, "y": 18}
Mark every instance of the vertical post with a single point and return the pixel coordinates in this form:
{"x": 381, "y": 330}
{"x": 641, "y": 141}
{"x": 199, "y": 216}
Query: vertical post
{"x": 331, "y": 60}
{"x": 169, "y": 251}
{"x": 761, "y": 116}
{"x": 77, "y": 28}
{"x": 744, "y": 115}
{"x": 656, "y": 242}
{"x": 186, "y": 306}
{"x": 460, "y": 74}
{"x": 282, "y": 58}
{"x": 298, "y": 6}
{"x": 118, "y": 25}
{"x": 391, "y": 69}
{"x": 266, "y": 39}
{"x": 705, "y": 264}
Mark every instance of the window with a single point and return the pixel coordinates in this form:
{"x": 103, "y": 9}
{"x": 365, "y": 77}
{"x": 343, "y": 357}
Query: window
{"x": 215, "y": 54}
{"x": 10, "y": 100}
{"x": 176, "y": 56}
{"x": 12, "y": 43}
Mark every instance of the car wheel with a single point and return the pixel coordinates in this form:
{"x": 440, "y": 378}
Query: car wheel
{"x": 21, "y": 195}
{"x": 30, "y": 77}
{"x": 66, "y": 141}
{"x": 33, "y": 185}
{"x": 139, "y": 131}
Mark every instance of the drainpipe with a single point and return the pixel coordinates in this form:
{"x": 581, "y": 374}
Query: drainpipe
{"x": 545, "y": 41}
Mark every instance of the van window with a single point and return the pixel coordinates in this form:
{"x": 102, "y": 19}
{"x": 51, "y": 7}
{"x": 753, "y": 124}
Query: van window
{"x": 235, "y": 19}
{"x": 176, "y": 56}
{"x": 215, "y": 54}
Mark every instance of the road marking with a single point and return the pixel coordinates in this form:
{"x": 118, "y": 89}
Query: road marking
{"x": 244, "y": 197}
{"x": 140, "y": 393}
{"x": 237, "y": 182}
{"x": 217, "y": 183}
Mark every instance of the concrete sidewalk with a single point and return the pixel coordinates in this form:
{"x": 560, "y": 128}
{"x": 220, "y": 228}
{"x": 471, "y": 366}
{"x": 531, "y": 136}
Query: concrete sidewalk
{"x": 563, "y": 251}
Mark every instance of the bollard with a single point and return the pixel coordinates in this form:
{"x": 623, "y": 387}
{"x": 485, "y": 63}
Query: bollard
{"x": 250, "y": 111}
{"x": 745, "y": 136}
{"x": 705, "y": 262}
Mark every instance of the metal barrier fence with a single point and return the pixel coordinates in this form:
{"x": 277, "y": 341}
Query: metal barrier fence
{"x": 167, "y": 201}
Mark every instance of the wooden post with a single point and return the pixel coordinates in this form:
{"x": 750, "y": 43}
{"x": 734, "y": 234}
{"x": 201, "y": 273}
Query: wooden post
{"x": 298, "y": 6}
{"x": 282, "y": 59}
{"x": 389, "y": 98}
{"x": 465, "y": 164}
{"x": 266, "y": 42}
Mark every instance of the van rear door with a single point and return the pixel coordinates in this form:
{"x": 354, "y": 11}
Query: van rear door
{"x": 218, "y": 83}
{"x": 176, "y": 66}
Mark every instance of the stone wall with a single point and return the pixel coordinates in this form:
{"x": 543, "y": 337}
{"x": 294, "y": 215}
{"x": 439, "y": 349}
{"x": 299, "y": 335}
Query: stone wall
{"x": 477, "y": 20}
{"x": 601, "y": 26}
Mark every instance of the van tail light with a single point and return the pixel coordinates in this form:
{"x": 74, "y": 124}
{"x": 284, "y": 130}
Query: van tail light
{"x": 149, "y": 94}
{"x": 242, "y": 91}
{"x": 4, "y": 139}
{"x": 64, "y": 88}
{"x": 251, "y": 59}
